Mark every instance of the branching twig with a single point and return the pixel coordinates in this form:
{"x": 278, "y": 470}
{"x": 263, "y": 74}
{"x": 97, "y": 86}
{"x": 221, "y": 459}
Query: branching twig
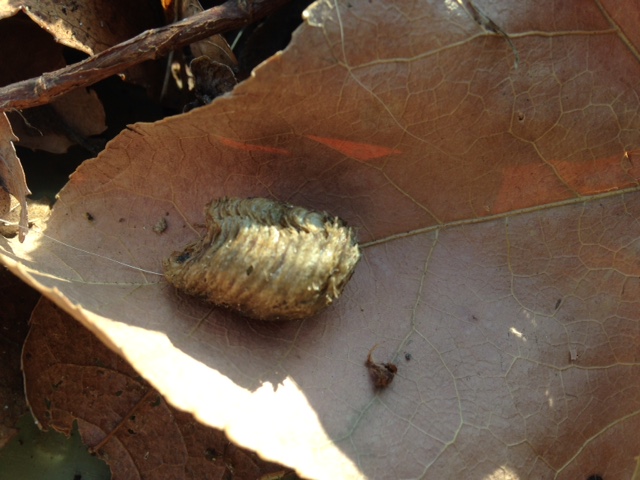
{"x": 149, "y": 45}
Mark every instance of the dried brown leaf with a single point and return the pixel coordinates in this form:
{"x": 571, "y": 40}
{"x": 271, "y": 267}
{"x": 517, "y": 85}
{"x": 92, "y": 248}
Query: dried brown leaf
{"x": 12, "y": 178}
{"x": 71, "y": 376}
{"x": 90, "y": 25}
{"x": 69, "y": 120}
{"x": 16, "y": 301}
{"x": 28, "y": 51}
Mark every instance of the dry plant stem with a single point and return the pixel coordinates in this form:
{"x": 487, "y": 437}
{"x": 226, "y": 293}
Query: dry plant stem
{"x": 149, "y": 45}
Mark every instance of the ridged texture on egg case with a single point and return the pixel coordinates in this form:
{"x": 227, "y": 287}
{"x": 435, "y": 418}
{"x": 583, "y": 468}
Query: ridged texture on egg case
{"x": 267, "y": 260}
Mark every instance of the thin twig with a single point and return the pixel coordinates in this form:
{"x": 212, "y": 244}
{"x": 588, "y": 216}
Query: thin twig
{"x": 149, "y": 45}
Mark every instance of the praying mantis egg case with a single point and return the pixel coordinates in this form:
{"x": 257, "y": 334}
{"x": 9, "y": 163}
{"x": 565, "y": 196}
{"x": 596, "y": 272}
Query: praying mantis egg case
{"x": 267, "y": 260}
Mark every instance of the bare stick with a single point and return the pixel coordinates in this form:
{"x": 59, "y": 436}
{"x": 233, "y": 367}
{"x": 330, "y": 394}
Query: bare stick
{"x": 149, "y": 45}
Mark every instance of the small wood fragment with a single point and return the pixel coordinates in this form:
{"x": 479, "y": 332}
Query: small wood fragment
{"x": 382, "y": 374}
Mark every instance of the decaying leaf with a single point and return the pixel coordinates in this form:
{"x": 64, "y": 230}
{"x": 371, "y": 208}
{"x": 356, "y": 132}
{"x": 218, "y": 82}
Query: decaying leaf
{"x": 212, "y": 79}
{"x": 120, "y": 417}
{"x": 482, "y": 195}
{"x": 91, "y": 26}
{"x": 28, "y": 51}
{"x": 17, "y": 303}
{"x": 12, "y": 178}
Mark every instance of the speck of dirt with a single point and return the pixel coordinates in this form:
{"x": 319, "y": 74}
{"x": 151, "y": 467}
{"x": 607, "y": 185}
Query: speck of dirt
{"x": 160, "y": 226}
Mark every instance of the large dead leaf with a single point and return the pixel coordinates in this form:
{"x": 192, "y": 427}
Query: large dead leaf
{"x": 71, "y": 376}
{"x": 500, "y": 217}
{"x": 17, "y": 301}
{"x": 91, "y": 25}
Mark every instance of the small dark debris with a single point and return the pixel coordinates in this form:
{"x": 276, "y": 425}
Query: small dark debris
{"x": 407, "y": 356}
{"x": 595, "y": 477}
{"x": 212, "y": 79}
{"x": 211, "y": 454}
{"x": 381, "y": 373}
{"x": 558, "y": 303}
{"x": 89, "y": 217}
